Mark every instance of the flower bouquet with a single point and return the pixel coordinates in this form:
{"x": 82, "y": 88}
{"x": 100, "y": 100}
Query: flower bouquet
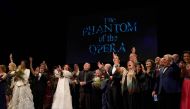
{"x": 96, "y": 82}
{"x": 19, "y": 75}
{"x": 97, "y": 79}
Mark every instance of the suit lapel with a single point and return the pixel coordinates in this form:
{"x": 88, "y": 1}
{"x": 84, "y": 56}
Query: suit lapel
{"x": 166, "y": 71}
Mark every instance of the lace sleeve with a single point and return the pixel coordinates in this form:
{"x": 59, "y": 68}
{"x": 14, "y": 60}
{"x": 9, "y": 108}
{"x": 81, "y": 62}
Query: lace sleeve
{"x": 67, "y": 74}
{"x": 26, "y": 74}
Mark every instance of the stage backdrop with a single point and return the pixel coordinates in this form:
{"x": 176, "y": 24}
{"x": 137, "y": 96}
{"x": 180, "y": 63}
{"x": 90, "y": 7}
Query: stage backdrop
{"x": 95, "y": 37}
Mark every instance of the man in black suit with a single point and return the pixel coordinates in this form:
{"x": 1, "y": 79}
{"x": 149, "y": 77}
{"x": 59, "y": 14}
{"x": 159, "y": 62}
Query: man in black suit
{"x": 115, "y": 78}
{"x": 40, "y": 84}
{"x": 85, "y": 81}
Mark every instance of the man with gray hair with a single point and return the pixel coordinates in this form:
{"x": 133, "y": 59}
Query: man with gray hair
{"x": 85, "y": 90}
{"x": 169, "y": 84}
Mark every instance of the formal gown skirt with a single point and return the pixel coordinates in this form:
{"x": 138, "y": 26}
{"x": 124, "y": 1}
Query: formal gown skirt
{"x": 22, "y": 98}
{"x": 62, "y": 97}
{"x": 185, "y": 94}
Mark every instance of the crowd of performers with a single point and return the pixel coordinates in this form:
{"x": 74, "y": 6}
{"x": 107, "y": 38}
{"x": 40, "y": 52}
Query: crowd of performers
{"x": 163, "y": 83}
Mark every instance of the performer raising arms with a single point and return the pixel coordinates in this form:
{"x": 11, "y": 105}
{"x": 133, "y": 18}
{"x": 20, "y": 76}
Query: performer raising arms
{"x": 115, "y": 78}
{"x": 22, "y": 95}
{"x": 10, "y": 79}
{"x": 62, "y": 97}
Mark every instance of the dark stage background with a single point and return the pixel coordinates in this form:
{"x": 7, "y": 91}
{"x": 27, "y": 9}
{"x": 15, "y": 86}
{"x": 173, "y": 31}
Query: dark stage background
{"x": 42, "y": 31}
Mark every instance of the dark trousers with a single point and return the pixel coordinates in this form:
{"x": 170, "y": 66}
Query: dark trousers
{"x": 146, "y": 100}
{"x": 84, "y": 101}
{"x": 116, "y": 97}
{"x": 75, "y": 97}
{"x": 38, "y": 101}
{"x": 96, "y": 99}
{"x": 133, "y": 101}
{"x": 169, "y": 100}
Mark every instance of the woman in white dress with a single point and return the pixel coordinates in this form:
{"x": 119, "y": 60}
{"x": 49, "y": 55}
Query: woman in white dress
{"x": 22, "y": 96}
{"x": 62, "y": 97}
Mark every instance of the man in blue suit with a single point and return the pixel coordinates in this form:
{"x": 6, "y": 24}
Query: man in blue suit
{"x": 168, "y": 85}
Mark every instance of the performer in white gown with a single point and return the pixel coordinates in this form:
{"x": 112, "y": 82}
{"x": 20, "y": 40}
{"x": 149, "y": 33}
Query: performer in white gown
{"x": 62, "y": 97}
{"x": 22, "y": 96}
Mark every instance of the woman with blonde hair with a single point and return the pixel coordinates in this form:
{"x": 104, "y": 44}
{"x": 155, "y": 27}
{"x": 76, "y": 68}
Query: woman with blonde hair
{"x": 22, "y": 96}
{"x": 10, "y": 79}
{"x": 130, "y": 88}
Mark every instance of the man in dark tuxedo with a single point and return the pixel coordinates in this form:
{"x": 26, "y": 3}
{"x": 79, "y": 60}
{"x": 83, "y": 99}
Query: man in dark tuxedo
{"x": 40, "y": 83}
{"x": 168, "y": 86}
{"x": 115, "y": 84}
